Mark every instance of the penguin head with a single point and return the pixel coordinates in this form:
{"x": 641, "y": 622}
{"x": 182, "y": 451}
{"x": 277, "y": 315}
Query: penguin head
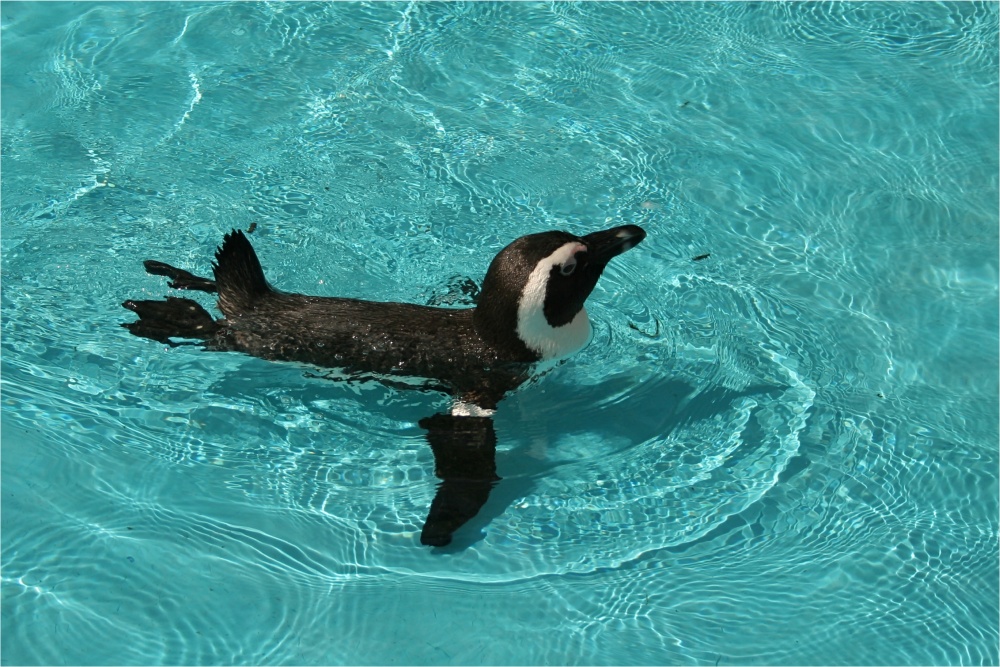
{"x": 532, "y": 302}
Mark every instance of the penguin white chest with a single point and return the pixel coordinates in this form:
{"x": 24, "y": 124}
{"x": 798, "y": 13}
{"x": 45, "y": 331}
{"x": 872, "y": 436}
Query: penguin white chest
{"x": 533, "y": 327}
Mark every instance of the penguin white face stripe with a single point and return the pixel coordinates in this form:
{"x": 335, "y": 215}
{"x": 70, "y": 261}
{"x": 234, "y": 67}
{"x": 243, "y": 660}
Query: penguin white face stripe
{"x": 532, "y": 326}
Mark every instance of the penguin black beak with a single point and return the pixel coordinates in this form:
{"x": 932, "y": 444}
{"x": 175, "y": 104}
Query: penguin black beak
{"x": 608, "y": 244}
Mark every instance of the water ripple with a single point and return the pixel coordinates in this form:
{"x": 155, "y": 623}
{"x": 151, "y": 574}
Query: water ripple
{"x": 786, "y": 419}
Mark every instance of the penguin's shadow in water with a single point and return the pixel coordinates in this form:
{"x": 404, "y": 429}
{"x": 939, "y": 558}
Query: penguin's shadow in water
{"x": 514, "y": 474}
{"x": 478, "y": 484}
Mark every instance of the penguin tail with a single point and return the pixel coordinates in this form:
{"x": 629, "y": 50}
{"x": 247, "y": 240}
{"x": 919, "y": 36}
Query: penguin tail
{"x": 171, "y": 318}
{"x": 238, "y": 275}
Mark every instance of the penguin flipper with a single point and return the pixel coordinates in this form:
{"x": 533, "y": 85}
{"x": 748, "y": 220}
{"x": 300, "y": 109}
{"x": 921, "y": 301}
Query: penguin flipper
{"x": 238, "y": 275}
{"x": 171, "y": 318}
{"x": 465, "y": 460}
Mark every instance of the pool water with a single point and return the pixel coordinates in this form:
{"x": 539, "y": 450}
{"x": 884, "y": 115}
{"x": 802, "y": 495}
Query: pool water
{"x": 780, "y": 447}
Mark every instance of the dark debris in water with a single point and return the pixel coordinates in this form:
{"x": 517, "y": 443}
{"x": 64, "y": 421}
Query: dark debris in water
{"x": 698, "y": 258}
{"x": 655, "y": 334}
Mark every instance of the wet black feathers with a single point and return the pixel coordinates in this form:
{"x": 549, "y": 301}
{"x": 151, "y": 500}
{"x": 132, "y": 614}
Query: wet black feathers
{"x": 173, "y": 317}
{"x": 238, "y": 275}
{"x": 179, "y": 278}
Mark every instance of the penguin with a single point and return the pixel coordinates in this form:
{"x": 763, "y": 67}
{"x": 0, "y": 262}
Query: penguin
{"x": 530, "y": 310}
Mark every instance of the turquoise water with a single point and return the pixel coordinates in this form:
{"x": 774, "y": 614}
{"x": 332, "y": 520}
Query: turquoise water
{"x": 783, "y": 453}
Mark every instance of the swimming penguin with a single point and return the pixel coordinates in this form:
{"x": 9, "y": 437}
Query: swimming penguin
{"x": 530, "y": 309}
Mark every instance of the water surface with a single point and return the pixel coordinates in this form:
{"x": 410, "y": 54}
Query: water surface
{"x": 783, "y": 452}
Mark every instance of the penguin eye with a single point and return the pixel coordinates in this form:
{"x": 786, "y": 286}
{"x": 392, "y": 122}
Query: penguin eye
{"x": 569, "y": 267}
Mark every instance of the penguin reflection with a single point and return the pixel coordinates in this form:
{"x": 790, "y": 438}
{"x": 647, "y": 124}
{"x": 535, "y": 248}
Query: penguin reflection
{"x": 530, "y": 309}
